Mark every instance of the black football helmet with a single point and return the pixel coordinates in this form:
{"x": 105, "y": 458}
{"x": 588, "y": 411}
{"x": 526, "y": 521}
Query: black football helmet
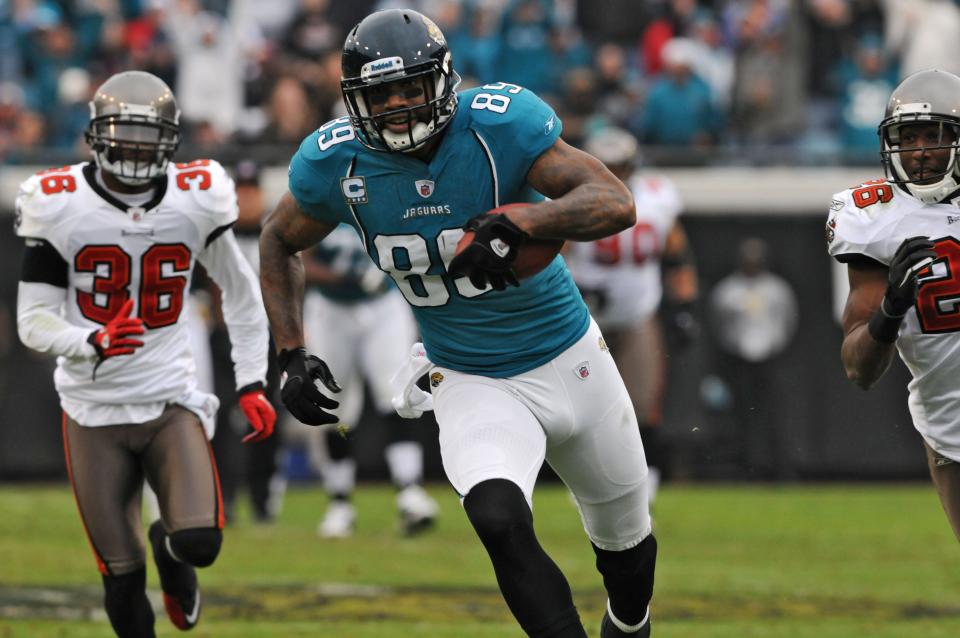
{"x": 134, "y": 127}
{"x": 390, "y": 46}
{"x": 931, "y": 96}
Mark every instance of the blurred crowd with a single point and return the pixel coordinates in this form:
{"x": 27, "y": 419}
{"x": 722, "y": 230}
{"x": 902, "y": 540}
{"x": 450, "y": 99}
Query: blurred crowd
{"x": 753, "y": 77}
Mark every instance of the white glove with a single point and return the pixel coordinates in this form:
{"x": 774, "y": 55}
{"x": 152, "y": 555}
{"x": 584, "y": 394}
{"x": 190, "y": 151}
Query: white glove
{"x": 408, "y": 400}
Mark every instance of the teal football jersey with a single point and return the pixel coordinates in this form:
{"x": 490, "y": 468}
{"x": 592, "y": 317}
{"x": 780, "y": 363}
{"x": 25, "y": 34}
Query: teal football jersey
{"x": 342, "y": 252}
{"x": 409, "y": 215}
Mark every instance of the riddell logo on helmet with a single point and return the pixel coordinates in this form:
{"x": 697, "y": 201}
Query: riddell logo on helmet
{"x": 381, "y": 67}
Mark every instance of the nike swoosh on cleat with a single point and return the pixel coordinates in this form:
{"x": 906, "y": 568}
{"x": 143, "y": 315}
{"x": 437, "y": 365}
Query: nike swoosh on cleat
{"x": 191, "y": 618}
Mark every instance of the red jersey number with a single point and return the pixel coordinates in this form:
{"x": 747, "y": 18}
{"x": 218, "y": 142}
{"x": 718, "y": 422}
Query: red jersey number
{"x": 938, "y": 299}
{"x": 111, "y": 268}
{"x": 872, "y": 192}
{"x": 160, "y": 295}
{"x": 194, "y": 172}
{"x": 643, "y": 246}
{"x": 57, "y": 180}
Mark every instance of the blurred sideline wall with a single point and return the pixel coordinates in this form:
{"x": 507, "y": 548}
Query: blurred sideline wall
{"x": 834, "y": 429}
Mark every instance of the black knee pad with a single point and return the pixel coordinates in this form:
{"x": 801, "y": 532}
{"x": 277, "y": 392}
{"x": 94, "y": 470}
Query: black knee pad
{"x": 498, "y": 512}
{"x": 339, "y": 444}
{"x": 628, "y": 578}
{"x": 197, "y": 546}
{"x": 127, "y": 606}
{"x": 639, "y": 559}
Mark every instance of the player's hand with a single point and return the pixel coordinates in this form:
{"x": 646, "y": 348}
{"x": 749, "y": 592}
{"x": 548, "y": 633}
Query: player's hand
{"x": 488, "y": 257}
{"x": 913, "y": 255}
{"x": 258, "y": 411}
{"x": 298, "y": 390}
{"x": 682, "y": 325}
{"x": 114, "y": 338}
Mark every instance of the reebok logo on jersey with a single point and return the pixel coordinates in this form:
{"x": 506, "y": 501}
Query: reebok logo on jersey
{"x": 548, "y": 126}
{"x": 136, "y": 231}
{"x": 953, "y": 219}
{"x": 354, "y": 190}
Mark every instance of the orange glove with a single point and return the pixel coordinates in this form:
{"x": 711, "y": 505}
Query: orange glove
{"x": 258, "y": 411}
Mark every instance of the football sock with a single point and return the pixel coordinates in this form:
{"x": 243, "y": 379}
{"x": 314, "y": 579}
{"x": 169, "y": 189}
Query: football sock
{"x": 532, "y": 584}
{"x": 628, "y": 579}
{"x": 405, "y": 460}
{"x": 127, "y": 606}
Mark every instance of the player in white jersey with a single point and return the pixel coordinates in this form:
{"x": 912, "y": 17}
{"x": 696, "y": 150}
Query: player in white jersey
{"x": 111, "y": 246}
{"x": 360, "y": 324}
{"x": 622, "y": 277}
{"x": 901, "y": 242}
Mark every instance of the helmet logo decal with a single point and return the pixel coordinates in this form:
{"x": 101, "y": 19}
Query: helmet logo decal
{"x": 919, "y": 108}
{"x": 354, "y": 190}
{"x": 424, "y": 187}
{"x": 381, "y": 67}
{"x": 434, "y": 31}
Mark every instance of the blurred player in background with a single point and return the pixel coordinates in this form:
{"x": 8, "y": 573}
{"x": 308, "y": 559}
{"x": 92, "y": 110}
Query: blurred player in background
{"x": 520, "y": 371}
{"x": 359, "y": 323}
{"x": 110, "y": 251}
{"x": 623, "y": 277}
{"x": 254, "y": 467}
{"x": 901, "y": 244}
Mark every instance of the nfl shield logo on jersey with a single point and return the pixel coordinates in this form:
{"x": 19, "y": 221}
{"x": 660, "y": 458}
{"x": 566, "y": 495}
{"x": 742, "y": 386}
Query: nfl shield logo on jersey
{"x": 424, "y": 187}
{"x": 582, "y": 370}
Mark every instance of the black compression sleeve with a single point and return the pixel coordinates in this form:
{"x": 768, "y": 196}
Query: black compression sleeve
{"x": 43, "y": 264}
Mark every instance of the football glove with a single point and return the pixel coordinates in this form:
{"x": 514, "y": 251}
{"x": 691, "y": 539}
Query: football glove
{"x": 298, "y": 391}
{"x": 113, "y": 339}
{"x": 488, "y": 257}
{"x": 913, "y": 255}
{"x": 258, "y": 412}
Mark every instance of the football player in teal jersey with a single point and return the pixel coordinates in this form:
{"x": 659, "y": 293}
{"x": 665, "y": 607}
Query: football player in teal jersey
{"x": 519, "y": 372}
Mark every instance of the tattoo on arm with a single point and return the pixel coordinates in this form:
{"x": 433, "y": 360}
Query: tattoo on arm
{"x": 587, "y": 200}
{"x": 286, "y": 233}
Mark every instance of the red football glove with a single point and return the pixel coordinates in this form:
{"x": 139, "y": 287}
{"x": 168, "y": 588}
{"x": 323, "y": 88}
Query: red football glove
{"x": 112, "y": 339}
{"x": 258, "y": 411}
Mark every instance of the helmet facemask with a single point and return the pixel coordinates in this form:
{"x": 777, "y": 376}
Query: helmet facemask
{"x": 437, "y": 82}
{"x": 930, "y": 186}
{"x": 135, "y": 145}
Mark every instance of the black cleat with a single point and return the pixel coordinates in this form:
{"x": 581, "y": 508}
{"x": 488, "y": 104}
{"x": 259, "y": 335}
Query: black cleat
{"x": 181, "y": 593}
{"x": 610, "y": 630}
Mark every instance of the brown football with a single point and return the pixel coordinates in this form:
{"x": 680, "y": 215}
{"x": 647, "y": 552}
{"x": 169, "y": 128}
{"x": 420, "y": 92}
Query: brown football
{"x": 533, "y": 256}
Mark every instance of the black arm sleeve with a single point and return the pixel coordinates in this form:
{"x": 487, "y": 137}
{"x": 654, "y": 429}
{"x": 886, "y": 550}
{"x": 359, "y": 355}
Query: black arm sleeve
{"x": 43, "y": 264}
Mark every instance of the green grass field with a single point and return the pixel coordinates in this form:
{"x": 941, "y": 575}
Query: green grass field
{"x": 834, "y": 561}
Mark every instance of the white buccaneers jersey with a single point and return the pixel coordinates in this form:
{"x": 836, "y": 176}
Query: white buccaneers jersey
{"x": 620, "y": 274}
{"x": 872, "y": 220}
{"x": 112, "y": 253}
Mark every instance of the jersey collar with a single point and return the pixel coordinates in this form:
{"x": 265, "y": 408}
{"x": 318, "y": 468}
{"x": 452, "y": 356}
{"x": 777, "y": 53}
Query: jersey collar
{"x": 90, "y": 174}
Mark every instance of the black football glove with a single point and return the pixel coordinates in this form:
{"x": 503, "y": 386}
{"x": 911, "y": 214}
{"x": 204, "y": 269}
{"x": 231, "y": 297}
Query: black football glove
{"x": 913, "y": 255}
{"x": 489, "y": 256}
{"x": 298, "y": 391}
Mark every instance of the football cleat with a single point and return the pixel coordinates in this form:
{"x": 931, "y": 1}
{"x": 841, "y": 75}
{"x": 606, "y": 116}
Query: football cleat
{"x": 418, "y": 511}
{"x": 339, "y": 520}
{"x": 181, "y": 593}
{"x": 609, "y": 630}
